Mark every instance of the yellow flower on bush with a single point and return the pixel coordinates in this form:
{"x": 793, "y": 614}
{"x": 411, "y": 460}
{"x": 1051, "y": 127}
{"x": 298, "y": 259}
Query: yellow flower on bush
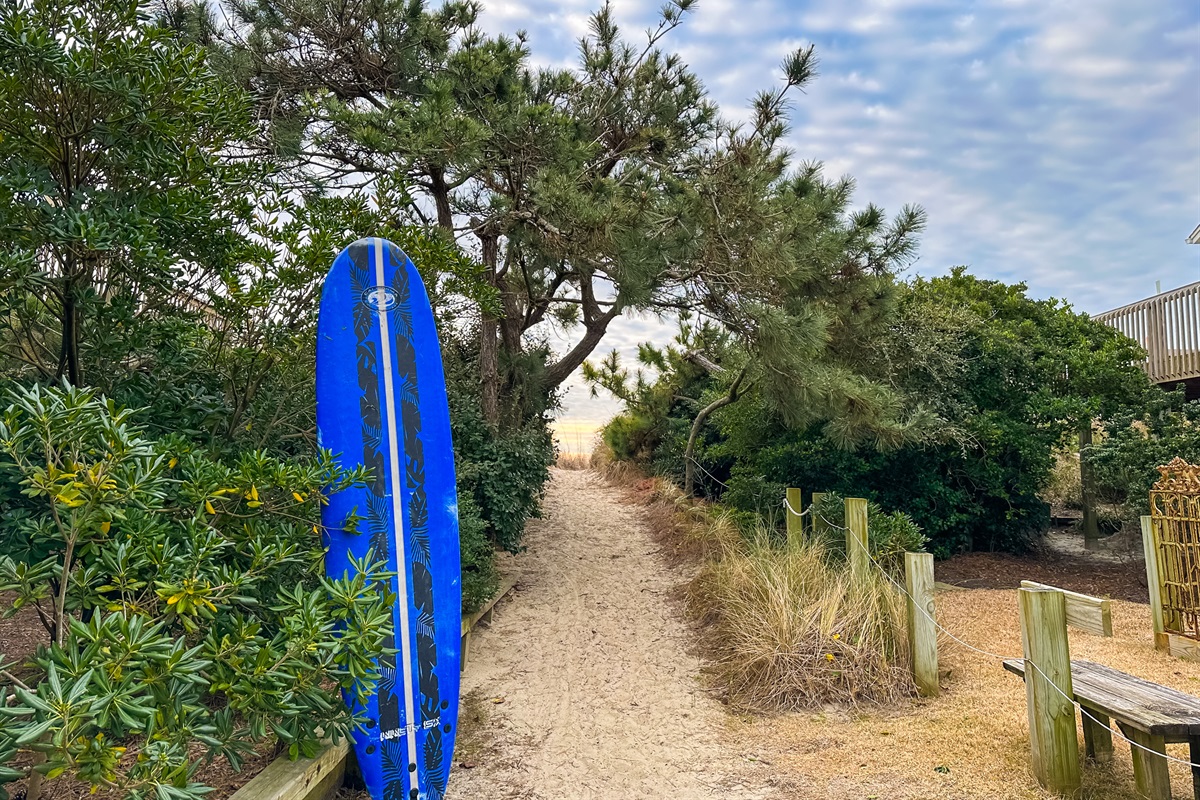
{"x": 829, "y": 656}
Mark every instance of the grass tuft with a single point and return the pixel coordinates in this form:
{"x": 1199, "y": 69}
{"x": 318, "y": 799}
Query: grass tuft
{"x": 789, "y": 628}
{"x": 576, "y": 461}
{"x": 783, "y": 625}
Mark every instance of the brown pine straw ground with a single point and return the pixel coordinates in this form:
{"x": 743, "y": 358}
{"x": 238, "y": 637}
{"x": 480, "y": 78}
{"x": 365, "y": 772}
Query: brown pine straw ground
{"x": 973, "y": 741}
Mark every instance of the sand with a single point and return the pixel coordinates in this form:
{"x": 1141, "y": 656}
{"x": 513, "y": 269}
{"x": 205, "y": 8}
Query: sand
{"x": 582, "y": 686}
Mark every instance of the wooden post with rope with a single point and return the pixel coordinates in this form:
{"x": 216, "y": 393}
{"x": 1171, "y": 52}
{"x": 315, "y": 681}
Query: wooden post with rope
{"x": 1048, "y": 690}
{"x": 793, "y": 509}
{"x": 856, "y": 537}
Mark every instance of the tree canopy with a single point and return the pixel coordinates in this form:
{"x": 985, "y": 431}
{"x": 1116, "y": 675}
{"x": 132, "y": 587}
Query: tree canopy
{"x": 116, "y": 187}
{"x": 1008, "y": 378}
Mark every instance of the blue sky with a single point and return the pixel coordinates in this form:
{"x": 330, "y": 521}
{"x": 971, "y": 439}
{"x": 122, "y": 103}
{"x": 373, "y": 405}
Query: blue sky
{"x": 1051, "y": 142}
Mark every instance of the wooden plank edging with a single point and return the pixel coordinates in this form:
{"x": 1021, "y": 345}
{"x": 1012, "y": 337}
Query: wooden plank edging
{"x": 471, "y": 621}
{"x": 315, "y": 778}
{"x": 1183, "y": 647}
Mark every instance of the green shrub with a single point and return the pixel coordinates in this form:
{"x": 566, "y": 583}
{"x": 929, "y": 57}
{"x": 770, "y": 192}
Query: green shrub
{"x": 503, "y": 473}
{"x": 480, "y": 581}
{"x": 1125, "y": 460}
{"x": 183, "y": 601}
{"x": 1010, "y": 377}
{"x": 889, "y": 535}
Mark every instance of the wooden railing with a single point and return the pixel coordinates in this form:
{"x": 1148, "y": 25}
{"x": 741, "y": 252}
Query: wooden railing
{"x": 1168, "y": 327}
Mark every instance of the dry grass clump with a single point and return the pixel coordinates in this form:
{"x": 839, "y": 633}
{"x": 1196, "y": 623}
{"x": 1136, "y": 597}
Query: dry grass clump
{"x": 1064, "y": 489}
{"x": 578, "y": 461}
{"x": 619, "y": 473}
{"x": 785, "y": 625}
{"x": 789, "y": 628}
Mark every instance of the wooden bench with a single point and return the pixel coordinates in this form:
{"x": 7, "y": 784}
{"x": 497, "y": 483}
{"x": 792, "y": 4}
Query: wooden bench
{"x": 1091, "y": 614}
{"x": 1150, "y": 715}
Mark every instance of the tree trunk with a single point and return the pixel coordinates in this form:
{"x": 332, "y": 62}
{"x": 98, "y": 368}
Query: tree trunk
{"x": 69, "y": 365}
{"x": 441, "y": 199}
{"x": 689, "y": 460}
{"x": 510, "y": 324}
{"x": 1091, "y": 520}
{"x": 559, "y": 371}
{"x": 489, "y": 345}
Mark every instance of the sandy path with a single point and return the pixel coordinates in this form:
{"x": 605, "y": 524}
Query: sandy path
{"x": 600, "y": 701}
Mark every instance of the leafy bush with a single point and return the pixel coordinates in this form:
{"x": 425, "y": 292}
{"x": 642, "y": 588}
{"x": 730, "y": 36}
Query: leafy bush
{"x": 480, "y": 580}
{"x": 1010, "y": 377}
{"x": 503, "y": 473}
{"x": 1124, "y": 461}
{"x": 182, "y": 598}
{"x": 889, "y": 536}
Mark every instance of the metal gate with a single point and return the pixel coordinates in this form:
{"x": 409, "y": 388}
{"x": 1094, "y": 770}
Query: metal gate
{"x": 1175, "y": 517}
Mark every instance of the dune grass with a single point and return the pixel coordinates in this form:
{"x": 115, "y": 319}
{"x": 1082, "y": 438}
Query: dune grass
{"x": 789, "y": 628}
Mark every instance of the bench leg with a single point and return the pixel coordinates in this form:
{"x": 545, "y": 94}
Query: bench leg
{"x": 1097, "y": 737}
{"x": 1194, "y": 753}
{"x": 1150, "y": 773}
{"x": 462, "y": 655}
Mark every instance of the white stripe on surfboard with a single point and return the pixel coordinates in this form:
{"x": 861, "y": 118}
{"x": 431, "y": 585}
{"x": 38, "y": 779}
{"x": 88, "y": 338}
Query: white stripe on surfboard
{"x": 410, "y": 727}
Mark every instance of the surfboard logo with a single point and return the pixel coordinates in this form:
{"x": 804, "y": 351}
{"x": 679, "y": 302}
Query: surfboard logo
{"x": 380, "y": 298}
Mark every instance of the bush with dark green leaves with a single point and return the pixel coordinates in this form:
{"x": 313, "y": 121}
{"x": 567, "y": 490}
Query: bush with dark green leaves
{"x": 889, "y": 535}
{"x": 1010, "y": 378}
{"x": 502, "y": 473}
{"x": 1125, "y": 460}
{"x": 183, "y": 601}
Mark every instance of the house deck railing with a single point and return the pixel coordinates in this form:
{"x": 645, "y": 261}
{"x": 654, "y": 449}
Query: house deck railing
{"x": 1168, "y": 327}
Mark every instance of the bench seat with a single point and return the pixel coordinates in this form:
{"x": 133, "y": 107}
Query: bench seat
{"x": 1149, "y": 714}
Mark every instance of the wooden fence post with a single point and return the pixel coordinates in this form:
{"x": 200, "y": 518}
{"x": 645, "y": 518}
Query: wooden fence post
{"x": 818, "y": 525}
{"x": 1048, "y": 690}
{"x": 922, "y": 631}
{"x": 1154, "y": 582}
{"x": 793, "y": 508}
{"x": 856, "y": 536}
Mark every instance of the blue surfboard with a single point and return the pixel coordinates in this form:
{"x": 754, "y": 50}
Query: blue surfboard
{"x": 381, "y": 403}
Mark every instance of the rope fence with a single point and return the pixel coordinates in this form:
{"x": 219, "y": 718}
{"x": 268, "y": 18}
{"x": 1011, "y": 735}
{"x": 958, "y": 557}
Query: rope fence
{"x": 920, "y": 607}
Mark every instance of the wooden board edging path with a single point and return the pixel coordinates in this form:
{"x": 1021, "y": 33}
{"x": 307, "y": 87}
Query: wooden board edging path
{"x": 469, "y": 622}
{"x": 316, "y": 778}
